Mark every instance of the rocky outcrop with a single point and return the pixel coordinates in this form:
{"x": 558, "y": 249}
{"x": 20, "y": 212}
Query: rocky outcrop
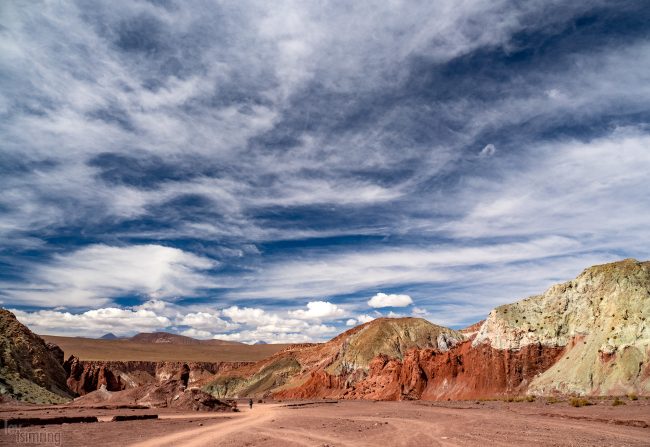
{"x": 171, "y": 393}
{"x": 602, "y": 318}
{"x": 86, "y": 376}
{"x": 586, "y": 336}
{"x": 332, "y": 368}
{"x": 30, "y": 370}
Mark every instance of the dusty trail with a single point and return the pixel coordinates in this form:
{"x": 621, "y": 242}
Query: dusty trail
{"x": 237, "y": 422}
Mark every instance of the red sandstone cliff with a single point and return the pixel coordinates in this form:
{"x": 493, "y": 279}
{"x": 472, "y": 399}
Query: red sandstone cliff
{"x": 87, "y": 376}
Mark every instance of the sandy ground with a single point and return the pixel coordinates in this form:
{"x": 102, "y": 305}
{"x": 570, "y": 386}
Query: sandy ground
{"x": 357, "y": 423}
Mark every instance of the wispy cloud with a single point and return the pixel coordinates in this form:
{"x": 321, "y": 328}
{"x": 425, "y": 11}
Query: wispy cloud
{"x": 296, "y": 159}
{"x": 96, "y": 274}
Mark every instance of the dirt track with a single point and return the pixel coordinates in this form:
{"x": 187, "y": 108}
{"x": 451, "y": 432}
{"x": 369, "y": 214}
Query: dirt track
{"x": 361, "y": 423}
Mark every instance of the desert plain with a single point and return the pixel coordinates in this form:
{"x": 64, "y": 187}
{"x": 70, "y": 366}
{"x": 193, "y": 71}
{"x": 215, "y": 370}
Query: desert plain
{"x": 350, "y": 423}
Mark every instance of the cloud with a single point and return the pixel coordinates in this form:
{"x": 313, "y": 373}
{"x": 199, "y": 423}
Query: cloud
{"x": 488, "y": 151}
{"x": 390, "y": 300}
{"x": 93, "y": 322}
{"x": 95, "y": 274}
{"x": 262, "y": 155}
{"x": 360, "y": 319}
{"x": 206, "y": 321}
{"x": 317, "y": 310}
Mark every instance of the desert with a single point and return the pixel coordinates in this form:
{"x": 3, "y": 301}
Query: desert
{"x": 365, "y": 423}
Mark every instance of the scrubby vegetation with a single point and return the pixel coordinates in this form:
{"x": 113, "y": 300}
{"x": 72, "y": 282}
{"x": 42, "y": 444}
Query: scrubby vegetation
{"x": 579, "y": 402}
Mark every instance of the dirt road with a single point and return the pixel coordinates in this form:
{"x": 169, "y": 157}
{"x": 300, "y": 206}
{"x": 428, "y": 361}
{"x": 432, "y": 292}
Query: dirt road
{"x": 358, "y": 423}
{"x": 240, "y": 423}
{"x": 417, "y": 423}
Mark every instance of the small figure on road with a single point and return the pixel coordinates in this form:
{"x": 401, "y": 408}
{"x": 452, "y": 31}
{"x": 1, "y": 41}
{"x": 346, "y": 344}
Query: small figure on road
{"x": 250, "y": 403}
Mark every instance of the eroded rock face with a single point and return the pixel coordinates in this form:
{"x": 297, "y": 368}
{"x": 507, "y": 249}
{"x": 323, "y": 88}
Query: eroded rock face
{"x": 465, "y": 372}
{"x": 171, "y": 393}
{"x": 586, "y": 336}
{"x": 87, "y": 376}
{"x": 29, "y": 369}
{"x": 328, "y": 369}
{"x": 606, "y": 308}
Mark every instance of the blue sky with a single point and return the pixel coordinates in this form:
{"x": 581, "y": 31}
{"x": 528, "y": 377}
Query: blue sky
{"x": 280, "y": 171}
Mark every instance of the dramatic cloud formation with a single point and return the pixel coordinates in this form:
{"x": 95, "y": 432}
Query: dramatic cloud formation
{"x": 97, "y": 273}
{"x": 256, "y": 171}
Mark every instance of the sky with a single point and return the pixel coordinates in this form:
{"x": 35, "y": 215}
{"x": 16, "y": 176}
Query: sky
{"x": 281, "y": 171}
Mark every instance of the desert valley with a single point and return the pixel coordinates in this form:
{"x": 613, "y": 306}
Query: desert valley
{"x": 567, "y": 367}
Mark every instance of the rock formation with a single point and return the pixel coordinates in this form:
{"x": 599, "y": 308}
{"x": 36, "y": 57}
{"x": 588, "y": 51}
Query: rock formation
{"x": 588, "y": 336}
{"x": 86, "y": 376}
{"x": 601, "y": 318}
{"x": 332, "y": 369}
{"x": 30, "y": 370}
{"x": 171, "y": 393}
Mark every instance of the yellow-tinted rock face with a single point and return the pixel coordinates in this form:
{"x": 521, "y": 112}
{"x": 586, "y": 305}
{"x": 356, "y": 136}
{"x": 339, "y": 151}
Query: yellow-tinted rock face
{"x": 602, "y": 317}
{"x": 391, "y": 337}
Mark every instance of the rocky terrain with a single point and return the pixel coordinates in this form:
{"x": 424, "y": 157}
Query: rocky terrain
{"x": 588, "y": 336}
{"x": 601, "y": 318}
{"x": 86, "y": 376}
{"x": 332, "y": 369}
{"x": 170, "y": 393}
{"x": 30, "y": 369}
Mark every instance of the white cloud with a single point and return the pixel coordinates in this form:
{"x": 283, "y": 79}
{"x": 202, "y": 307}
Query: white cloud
{"x": 351, "y": 322}
{"x": 566, "y": 188}
{"x": 197, "y": 333}
{"x": 93, "y": 275}
{"x": 318, "y": 310}
{"x": 93, "y": 322}
{"x": 390, "y": 300}
{"x": 488, "y": 151}
{"x": 419, "y": 312}
{"x": 206, "y": 321}
{"x": 365, "y": 318}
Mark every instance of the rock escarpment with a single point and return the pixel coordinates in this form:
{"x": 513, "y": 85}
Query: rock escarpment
{"x": 171, "y": 393}
{"x": 30, "y": 370}
{"x": 86, "y": 376}
{"x": 602, "y": 318}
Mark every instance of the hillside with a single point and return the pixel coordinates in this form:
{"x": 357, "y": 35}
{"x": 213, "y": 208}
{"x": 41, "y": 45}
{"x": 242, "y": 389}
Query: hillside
{"x": 588, "y": 336}
{"x": 29, "y": 369}
{"x": 602, "y": 318}
{"x": 175, "y": 339}
{"x": 328, "y": 369}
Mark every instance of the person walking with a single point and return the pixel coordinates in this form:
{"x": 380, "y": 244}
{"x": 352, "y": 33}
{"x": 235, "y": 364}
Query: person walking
{"x": 250, "y": 403}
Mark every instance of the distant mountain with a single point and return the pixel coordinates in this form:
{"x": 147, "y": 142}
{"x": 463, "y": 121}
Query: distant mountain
{"x": 109, "y": 336}
{"x": 175, "y": 339}
{"x": 261, "y": 342}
